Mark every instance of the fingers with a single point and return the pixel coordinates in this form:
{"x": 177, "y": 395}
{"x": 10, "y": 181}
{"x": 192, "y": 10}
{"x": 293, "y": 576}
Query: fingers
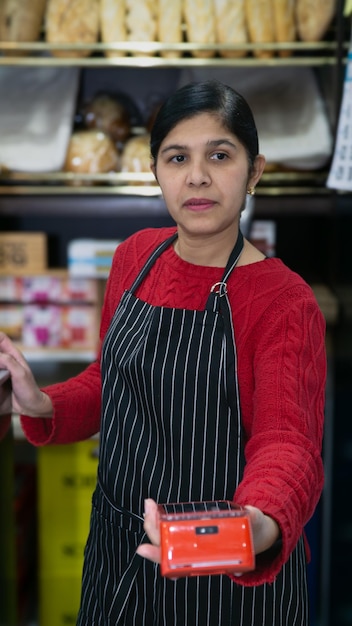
{"x": 151, "y": 526}
{"x": 152, "y": 521}
{"x": 10, "y": 356}
{"x": 265, "y": 530}
{"x": 147, "y": 551}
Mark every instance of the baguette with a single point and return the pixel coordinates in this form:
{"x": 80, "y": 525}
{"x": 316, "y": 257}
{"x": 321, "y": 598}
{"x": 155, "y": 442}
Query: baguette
{"x": 141, "y": 22}
{"x": 21, "y": 20}
{"x": 112, "y": 24}
{"x": 230, "y": 25}
{"x": 170, "y": 25}
{"x": 313, "y": 18}
{"x": 72, "y": 21}
{"x": 199, "y": 17}
{"x": 260, "y": 24}
{"x": 285, "y": 23}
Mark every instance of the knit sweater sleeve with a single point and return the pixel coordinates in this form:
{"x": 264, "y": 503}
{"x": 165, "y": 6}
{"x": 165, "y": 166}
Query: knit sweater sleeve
{"x": 283, "y": 475}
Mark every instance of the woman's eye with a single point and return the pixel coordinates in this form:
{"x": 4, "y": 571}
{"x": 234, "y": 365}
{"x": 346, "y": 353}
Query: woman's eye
{"x": 178, "y": 158}
{"x": 219, "y": 156}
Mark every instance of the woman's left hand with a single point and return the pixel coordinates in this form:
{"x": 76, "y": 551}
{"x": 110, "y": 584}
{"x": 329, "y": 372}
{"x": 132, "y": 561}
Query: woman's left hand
{"x": 151, "y": 551}
{"x": 265, "y": 531}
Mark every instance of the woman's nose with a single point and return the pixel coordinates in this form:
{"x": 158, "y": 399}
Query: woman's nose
{"x": 198, "y": 173}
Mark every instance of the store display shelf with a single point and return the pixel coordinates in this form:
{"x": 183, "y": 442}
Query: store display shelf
{"x": 142, "y": 184}
{"x": 57, "y": 355}
{"x": 155, "y": 54}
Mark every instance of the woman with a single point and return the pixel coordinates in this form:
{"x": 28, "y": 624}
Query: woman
{"x": 209, "y": 386}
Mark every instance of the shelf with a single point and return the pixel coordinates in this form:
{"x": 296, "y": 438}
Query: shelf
{"x": 53, "y": 355}
{"x": 159, "y": 55}
{"x": 150, "y": 54}
{"x": 119, "y": 183}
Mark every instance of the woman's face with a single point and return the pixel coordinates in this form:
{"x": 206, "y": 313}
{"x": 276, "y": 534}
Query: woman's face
{"x": 203, "y": 172}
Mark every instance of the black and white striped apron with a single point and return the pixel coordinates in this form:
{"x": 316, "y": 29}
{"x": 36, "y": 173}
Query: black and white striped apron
{"x": 171, "y": 431}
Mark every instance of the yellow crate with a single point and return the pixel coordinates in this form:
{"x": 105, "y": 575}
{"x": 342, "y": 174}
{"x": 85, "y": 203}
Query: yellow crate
{"x": 59, "y": 598}
{"x": 22, "y": 253}
{"x": 67, "y": 474}
{"x": 61, "y": 544}
{"x": 66, "y": 480}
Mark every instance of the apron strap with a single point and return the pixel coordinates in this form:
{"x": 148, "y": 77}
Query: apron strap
{"x": 220, "y": 289}
{"x": 218, "y": 301}
{"x": 217, "y": 289}
{"x": 145, "y": 269}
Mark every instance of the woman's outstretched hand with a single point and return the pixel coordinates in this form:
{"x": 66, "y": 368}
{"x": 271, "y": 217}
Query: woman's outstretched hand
{"x": 151, "y": 551}
{"x": 20, "y": 394}
{"x": 265, "y": 531}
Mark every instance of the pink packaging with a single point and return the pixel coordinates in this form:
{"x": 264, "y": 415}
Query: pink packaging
{"x": 42, "y": 326}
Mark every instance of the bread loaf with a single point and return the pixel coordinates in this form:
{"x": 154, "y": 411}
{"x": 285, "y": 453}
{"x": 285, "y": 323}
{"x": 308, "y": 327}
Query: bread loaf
{"x": 260, "y": 24}
{"x": 72, "y": 21}
{"x": 285, "y": 22}
{"x": 21, "y": 20}
{"x": 199, "y": 17}
{"x": 106, "y": 113}
{"x": 136, "y": 154}
{"x": 170, "y": 25}
{"x": 91, "y": 152}
{"x": 313, "y": 18}
{"x": 141, "y": 21}
{"x": 230, "y": 25}
{"x": 112, "y": 24}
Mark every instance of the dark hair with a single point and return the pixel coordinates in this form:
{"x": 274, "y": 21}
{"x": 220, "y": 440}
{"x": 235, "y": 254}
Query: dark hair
{"x": 207, "y": 97}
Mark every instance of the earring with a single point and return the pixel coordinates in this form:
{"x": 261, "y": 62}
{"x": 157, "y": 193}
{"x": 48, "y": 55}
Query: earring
{"x": 251, "y": 191}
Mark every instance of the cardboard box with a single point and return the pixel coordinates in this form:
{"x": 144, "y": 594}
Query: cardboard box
{"x": 22, "y": 253}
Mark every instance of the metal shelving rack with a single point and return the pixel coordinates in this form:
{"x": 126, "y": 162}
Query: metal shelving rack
{"x": 323, "y": 54}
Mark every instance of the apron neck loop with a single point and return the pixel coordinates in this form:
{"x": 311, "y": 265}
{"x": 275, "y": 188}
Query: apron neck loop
{"x": 219, "y": 290}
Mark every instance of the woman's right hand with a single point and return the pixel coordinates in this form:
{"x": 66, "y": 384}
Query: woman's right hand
{"x": 20, "y": 394}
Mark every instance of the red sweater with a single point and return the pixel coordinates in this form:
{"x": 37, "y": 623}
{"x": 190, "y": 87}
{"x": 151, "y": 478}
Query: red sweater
{"x": 280, "y": 339}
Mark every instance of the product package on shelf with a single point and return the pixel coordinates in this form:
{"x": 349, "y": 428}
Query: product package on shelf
{"x": 22, "y": 253}
{"x": 36, "y": 117}
{"x": 263, "y": 236}
{"x": 52, "y": 310}
{"x": 340, "y": 176}
{"x": 91, "y": 257}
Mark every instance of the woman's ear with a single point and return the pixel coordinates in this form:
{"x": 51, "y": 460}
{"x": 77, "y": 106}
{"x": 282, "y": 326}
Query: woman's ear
{"x": 257, "y": 170}
{"x": 153, "y": 168}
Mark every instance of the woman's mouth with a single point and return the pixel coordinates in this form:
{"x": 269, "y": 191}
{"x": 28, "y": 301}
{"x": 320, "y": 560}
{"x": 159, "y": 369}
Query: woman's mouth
{"x": 199, "y": 204}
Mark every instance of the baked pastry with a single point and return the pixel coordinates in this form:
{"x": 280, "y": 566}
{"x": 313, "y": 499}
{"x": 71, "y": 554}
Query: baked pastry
{"x": 112, "y": 24}
{"x": 135, "y": 156}
{"x": 260, "y": 24}
{"x": 21, "y": 20}
{"x": 230, "y": 25}
{"x": 199, "y": 17}
{"x": 141, "y": 22}
{"x": 91, "y": 152}
{"x": 285, "y": 23}
{"x": 169, "y": 25}
{"x": 313, "y": 18}
{"x": 106, "y": 113}
{"x": 72, "y": 21}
